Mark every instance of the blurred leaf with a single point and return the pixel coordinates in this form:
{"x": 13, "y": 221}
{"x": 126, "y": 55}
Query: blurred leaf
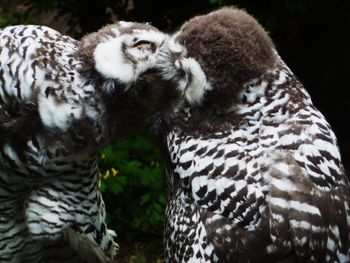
{"x": 216, "y": 1}
{"x": 144, "y": 199}
{"x": 135, "y": 196}
{"x": 103, "y": 186}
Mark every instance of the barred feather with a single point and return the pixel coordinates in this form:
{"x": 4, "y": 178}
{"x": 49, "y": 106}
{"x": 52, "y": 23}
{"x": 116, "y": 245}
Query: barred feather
{"x": 56, "y": 113}
{"x": 252, "y": 175}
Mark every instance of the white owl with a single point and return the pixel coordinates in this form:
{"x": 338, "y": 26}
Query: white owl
{"x": 61, "y": 100}
{"x": 254, "y": 169}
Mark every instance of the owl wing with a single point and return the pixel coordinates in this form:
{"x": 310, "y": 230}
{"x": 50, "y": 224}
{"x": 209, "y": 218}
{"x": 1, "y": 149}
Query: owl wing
{"x": 41, "y": 88}
{"x": 38, "y": 77}
{"x": 309, "y": 191}
{"x": 294, "y": 191}
{"x": 303, "y": 217}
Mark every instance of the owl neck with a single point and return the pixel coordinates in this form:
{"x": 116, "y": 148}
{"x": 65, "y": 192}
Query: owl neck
{"x": 275, "y": 96}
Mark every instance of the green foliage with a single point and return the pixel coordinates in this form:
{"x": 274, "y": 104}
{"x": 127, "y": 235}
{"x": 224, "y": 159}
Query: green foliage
{"x": 213, "y": 2}
{"x": 133, "y": 186}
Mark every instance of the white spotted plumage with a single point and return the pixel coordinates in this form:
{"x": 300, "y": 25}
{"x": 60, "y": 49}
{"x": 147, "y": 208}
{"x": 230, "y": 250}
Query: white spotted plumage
{"x": 243, "y": 179}
{"x": 261, "y": 178}
{"x": 53, "y": 121}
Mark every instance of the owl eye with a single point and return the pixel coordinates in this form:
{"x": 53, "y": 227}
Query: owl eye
{"x": 144, "y": 44}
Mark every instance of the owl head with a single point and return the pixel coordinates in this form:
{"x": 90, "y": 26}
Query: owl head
{"x": 120, "y": 52}
{"x": 214, "y": 55}
{"x": 114, "y": 59}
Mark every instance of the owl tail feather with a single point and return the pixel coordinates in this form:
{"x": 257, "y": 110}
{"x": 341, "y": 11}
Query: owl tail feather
{"x": 88, "y": 249}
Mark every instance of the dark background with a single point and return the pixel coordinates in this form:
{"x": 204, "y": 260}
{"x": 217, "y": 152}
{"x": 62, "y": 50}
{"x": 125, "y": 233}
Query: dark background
{"x": 313, "y": 38}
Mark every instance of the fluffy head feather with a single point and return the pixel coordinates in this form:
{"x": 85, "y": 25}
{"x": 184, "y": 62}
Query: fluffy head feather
{"x": 120, "y": 52}
{"x": 114, "y": 58}
{"x": 230, "y": 48}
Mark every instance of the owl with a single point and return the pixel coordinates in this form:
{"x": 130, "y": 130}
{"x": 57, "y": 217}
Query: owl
{"x": 253, "y": 168}
{"x": 61, "y": 100}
